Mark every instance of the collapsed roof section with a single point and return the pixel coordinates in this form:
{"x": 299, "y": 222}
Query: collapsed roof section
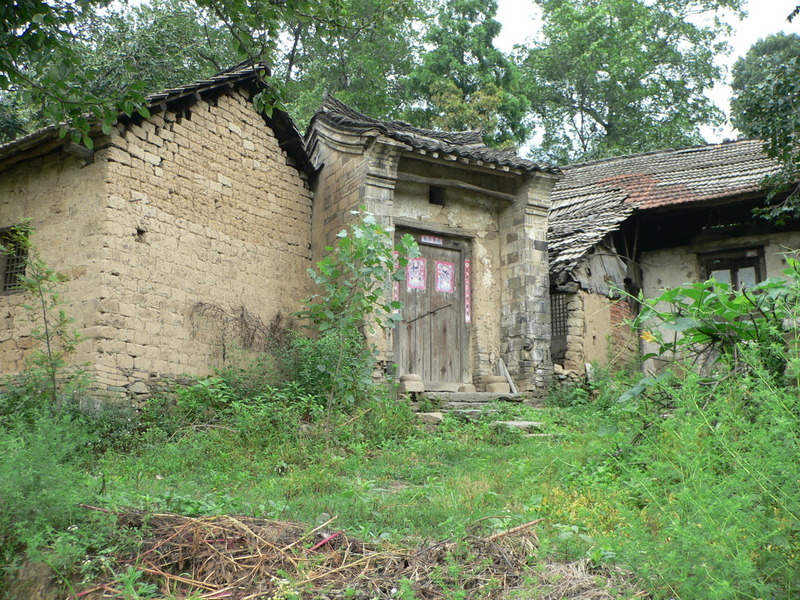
{"x": 594, "y": 199}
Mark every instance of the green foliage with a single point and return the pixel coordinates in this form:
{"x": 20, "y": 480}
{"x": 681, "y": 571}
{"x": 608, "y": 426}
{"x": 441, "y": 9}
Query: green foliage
{"x": 52, "y": 327}
{"x": 711, "y": 319}
{"x": 38, "y": 59}
{"x": 45, "y": 57}
{"x": 42, "y": 482}
{"x": 708, "y": 468}
{"x": 463, "y": 81}
{"x": 354, "y": 282}
{"x": 610, "y": 77}
{"x": 362, "y": 65}
{"x": 161, "y": 44}
{"x": 766, "y": 92}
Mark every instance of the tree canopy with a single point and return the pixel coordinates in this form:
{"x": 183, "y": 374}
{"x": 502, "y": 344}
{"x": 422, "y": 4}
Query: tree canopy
{"x": 462, "y": 81}
{"x": 42, "y": 52}
{"x": 605, "y": 77}
{"x": 608, "y": 77}
{"x": 363, "y": 64}
{"x": 766, "y": 105}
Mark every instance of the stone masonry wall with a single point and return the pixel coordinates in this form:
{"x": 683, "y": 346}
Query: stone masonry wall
{"x": 208, "y": 234}
{"x": 525, "y": 324}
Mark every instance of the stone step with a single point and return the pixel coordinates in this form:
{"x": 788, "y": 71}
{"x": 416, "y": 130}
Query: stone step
{"x": 465, "y": 405}
{"x": 526, "y": 426}
{"x": 471, "y": 414}
{"x": 444, "y": 397}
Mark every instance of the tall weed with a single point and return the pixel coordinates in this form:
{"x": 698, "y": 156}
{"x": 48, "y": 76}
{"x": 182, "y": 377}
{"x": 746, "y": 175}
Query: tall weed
{"x": 711, "y": 469}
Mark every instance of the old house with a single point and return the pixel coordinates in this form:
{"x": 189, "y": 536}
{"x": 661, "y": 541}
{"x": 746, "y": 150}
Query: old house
{"x": 649, "y": 222}
{"x": 188, "y": 234}
{"x": 182, "y": 235}
{"x": 479, "y": 292}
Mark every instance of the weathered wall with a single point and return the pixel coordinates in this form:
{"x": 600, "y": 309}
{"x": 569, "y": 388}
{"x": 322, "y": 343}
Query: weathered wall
{"x": 64, "y": 201}
{"x": 675, "y": 266}
{"x": 664, "y": 269}
{"x": 597, "y": 332}
{"x": 525, "y": 310}
{"x": 209, "y": 234}
{"x": 608, "y": 339}
{"x": 339, "y": 187}
{"x": 187, "y": 232}
{"x": 473, "y": 216}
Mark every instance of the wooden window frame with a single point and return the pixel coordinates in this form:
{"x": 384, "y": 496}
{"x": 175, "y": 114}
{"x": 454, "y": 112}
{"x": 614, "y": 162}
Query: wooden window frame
{"x": 734, "y": 260}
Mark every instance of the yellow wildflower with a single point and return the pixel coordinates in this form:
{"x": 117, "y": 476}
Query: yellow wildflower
{"x": 648, "y": 337}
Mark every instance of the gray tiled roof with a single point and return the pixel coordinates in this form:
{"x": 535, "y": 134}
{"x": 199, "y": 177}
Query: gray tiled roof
{"x": 467, "y": 144}
{"x": 593, "y": 199}
{"x": 245, "y": 73}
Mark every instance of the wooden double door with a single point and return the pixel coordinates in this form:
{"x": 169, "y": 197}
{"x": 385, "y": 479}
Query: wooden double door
{"x": 432, "y": 338}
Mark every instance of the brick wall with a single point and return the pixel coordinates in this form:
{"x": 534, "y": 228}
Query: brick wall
{"x": 597, "y": 331}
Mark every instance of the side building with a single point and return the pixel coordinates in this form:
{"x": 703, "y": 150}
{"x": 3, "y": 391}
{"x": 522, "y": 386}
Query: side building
{"x": 183, "y": 236}
{"x": 650, "y": 222}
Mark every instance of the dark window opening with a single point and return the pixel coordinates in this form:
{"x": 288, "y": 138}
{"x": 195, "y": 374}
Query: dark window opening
{"x": 558, "y": 324}
{"x": 436, "y": 195}
{"x": 12, "y": 260}
{"x": 741, "y": 269}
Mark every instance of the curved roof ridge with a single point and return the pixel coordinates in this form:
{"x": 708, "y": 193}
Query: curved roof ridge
{"x": 466, "y": 144}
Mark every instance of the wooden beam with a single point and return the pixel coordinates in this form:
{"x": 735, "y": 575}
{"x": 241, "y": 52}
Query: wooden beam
{"x": 454, "y": 183}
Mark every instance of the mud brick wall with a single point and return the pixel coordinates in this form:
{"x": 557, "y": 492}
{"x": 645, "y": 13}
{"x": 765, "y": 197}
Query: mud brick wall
{"x": 189, "y": 228}
{"x": 339, "y": 188}
{"x": 64, "y": 200}
{"x": 598, "y": 332}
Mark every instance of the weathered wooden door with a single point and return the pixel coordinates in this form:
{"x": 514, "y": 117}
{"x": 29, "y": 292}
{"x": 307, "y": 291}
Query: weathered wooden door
{"x": 432, "y": 339}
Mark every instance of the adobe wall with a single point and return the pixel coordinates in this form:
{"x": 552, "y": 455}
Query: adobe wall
{"x": 664, "y": 269}
{"x": 339, "y": 187}
{"x": 185, "y": 240}
{"x": 208, "y": 236}
{"x": 608, "y": 339}
{"x": 64, "y": 201}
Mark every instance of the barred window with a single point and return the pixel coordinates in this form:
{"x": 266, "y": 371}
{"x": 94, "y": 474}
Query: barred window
{"x": 12, "y": 261}
{"x": 558, "y": 315}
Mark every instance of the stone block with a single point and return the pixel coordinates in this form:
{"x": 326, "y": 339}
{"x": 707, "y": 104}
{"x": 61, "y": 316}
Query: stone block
{"x": 410, "y": 386}
{"x": 410, "y": 377}
{"x": 498, "y": 388}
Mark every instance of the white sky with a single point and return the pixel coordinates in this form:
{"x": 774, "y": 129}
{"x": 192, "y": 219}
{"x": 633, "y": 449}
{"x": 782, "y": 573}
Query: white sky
{"x": 764, "y": 17}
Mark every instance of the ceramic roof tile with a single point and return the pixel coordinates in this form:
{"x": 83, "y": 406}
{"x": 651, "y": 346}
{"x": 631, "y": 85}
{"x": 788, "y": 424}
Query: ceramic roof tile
{"x": 242, "y": 74}
{"x": 593, "y": 199}
{"x": 467, "y": 144}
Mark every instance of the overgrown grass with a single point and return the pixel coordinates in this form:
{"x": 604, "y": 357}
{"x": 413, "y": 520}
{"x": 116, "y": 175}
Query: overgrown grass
{"x": 691, "y": 484}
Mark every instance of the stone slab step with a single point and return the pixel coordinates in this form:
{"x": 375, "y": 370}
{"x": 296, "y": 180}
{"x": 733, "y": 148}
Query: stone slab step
{"x": 471, "y": 414}
{"x": 527, "y": 426}
{"x": 444, "y": 397}
{"x": 464, "y": 405}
